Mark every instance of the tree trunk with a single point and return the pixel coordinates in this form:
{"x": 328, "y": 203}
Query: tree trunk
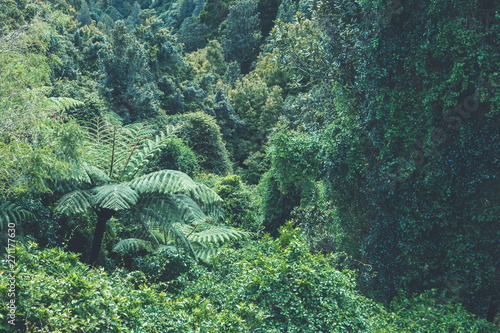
{"x": 102, "y": 217}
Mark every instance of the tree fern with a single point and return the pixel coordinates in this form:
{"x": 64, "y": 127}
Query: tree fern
{"x": 139, "y": 158}
{"x": 170, "y": 208}
{"x": 159, "y": 200}
{"x": 115, "y": 197}
{"x": 76, "y": 202}
{"x": 217, "y": 236}
{"x": 123, "y": 151}
{"x": 208, "y": 200}
{"x": 186, "y": 244}
{"x": 199, "y": 244}
{"x": 12, "y": 213}
{"x": 96, "y": 175}
{"x": 60, "y": 103}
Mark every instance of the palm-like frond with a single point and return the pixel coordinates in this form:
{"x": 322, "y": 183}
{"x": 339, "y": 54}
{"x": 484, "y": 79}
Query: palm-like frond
{"x": 115, "y": 196}
{"x": 186, "y": 244}
{"x": 199, "y": 244}
{"x": 76, "y": 202}
{"x": 139, "y": 158}
{"x": 12, "y": 213}
{"x": 176, "y": 182}
{"x": 205, "y": 243}
{"x": 205, "y": 253}
{"x": 158, "y": 210}
{"x": 218, "y": 235}
{"x": 96, "y": 175}
{"x": 149, "y": 241}
{"x": 123, "y": 151}
{"x": 134, "y": 245}
{"x": 164, "y": 182}
{"x": 191, "y": 212}
{"x": 61, "y": 103}
{"x": 208, "y": 200}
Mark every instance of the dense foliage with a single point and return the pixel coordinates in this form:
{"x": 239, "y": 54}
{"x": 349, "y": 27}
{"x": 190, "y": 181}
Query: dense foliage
{"x": 249, "y": 166}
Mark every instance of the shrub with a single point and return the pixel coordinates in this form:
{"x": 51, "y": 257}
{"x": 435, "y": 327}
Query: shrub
{"x": 203, "y": 135}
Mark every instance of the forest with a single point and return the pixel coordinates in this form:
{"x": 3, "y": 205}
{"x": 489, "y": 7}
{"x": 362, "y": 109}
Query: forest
{"x": 259, "y": 166}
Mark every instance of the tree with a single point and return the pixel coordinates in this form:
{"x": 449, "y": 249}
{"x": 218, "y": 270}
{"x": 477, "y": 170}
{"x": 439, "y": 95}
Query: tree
{"x": 116, "y": 183}
{"x": 37, "y": 138}
{"x": 84, "y": 14}
{"x": 203, "y": 136}
{"x": 241, "y": 33}
{"x": 290, "y": 182}
{"x": 129, "y": 83}
{"x": 415, "y": 207}
{"x": 258, "y": 106}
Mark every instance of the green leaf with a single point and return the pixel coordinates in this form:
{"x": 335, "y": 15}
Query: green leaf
{"x": 115, "y": 197}
{"x": 165, "y": 182}
{"x": 76, "y": 202}
{"x": 12, "y": 213}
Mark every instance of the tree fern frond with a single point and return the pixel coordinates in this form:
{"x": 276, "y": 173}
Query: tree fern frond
{"x": 208, "y": 200}
{"x": 218, "y": 235}
{"x": 96, "y": 175}
{"x": 165, "y": 182}
{"x": 12, "y": 213}
{"x": 113, "y": 145}
{"x": 75, "y": 202}
{"x": 63, "y": 185}
{"x": 206, "y": 254}
{"x": 134, "y": 245}
{"x": 158, "y": 209}
{"x": 189, "y": 209}
{"x": 161, "y": 236}
{"x": 173, "y": 208}
{"x": 115, "y": 196}
{"x": 185, "y": 242}
{"x": 136, "y": 130}
{"x": 61, "y": 103}
{"x": 139, "y": 157}
{"x": 112, "y": 118}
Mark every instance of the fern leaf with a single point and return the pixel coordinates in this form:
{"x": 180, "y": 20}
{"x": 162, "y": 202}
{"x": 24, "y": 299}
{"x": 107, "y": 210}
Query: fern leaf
{"x": 185, "y": 242}
{"x": 140, "y": 158}
{"x": 189, "y": 209}
{"x": 12, "y": 213}
{"x": 165, "y": 182}
{"x": 134, "y": 245}
{"x": 112, "y": 118}
{"x": 115, "y": 196}
{"x": 158, "y": 209}
{"x": 96, "y": 175}
{"x": 61, "y": 103}
{"x": 218, "y": 235}
{"x": 206, "y": 254}
{"x": 208, "y": 200}
{"x": 174, "y": 208}
{"x": 75, "y": 202}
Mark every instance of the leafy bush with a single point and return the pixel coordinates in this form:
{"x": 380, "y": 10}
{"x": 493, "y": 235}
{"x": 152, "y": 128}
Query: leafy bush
{"x": 268, "y": 286}
{"x": 203, "y": 136}
{"x": 297, "y": 291}
{"x": 176, "y": 155}
{"x": 239, "y": 202}
{"x": 163, "y": 265}
{"x": 55, "y": 292}
{"x": 428, "y": 312}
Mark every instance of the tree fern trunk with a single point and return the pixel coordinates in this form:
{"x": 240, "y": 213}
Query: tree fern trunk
{"x": 102, "y": 217}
